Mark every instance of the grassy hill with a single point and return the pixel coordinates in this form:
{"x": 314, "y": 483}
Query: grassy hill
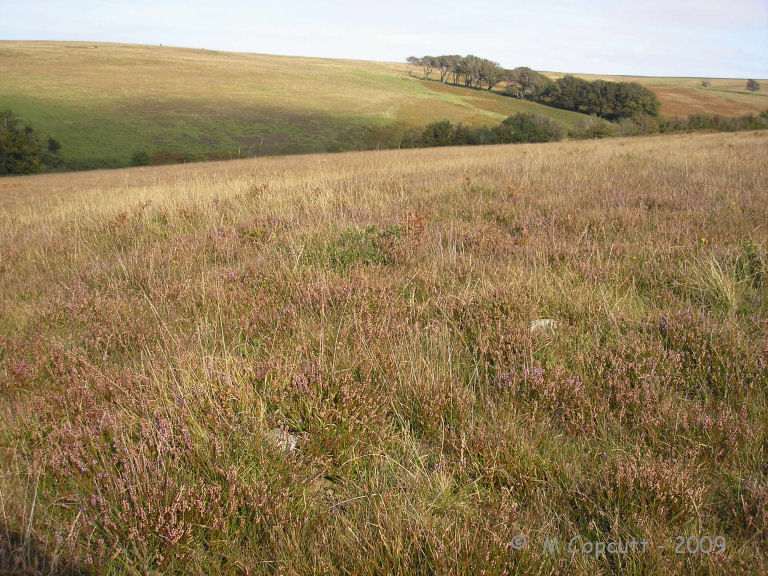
{"x": 168, "y": 333}
{"x": 684, "y": 96}
{"x": 104, "y": 102}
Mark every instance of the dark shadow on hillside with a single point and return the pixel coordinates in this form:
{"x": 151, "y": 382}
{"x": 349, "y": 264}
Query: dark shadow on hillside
{"x": 173, "y": 131}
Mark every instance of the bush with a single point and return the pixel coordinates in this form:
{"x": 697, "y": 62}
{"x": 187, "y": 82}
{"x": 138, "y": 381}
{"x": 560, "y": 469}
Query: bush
{"x": 528, "y": 128}
{"x": 20, "y": 149}
{"x": 444, "y": 133}
{"x": 140, "y": 158}
{"x": 438, "y": 134}
{"x": 593, "y": 127}
{"x": 725, "y": 123}
{"x": 519, "y": 128}
{"x": 484, "y": 136}
{"x": 462, "y": 136}
{"x": 638, "y": 125}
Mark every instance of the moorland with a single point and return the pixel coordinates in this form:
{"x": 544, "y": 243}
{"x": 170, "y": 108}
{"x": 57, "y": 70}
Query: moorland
{"x": 390, "y": 362}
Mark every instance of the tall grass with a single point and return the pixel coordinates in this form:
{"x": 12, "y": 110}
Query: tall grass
{"x": 161, "y": 330}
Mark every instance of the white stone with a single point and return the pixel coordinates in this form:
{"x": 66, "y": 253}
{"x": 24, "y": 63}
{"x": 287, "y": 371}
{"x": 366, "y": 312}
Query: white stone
{"x": 282, "y": 440}
{"x": 543, "y": 325}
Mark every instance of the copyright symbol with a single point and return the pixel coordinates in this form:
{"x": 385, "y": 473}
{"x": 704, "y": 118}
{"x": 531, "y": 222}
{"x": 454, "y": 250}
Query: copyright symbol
{"x": 518, "y": 542}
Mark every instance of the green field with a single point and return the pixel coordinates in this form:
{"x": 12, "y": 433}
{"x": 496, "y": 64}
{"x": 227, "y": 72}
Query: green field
{"x": 104, "y": 102}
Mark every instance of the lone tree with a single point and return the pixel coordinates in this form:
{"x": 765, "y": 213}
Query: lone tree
{"x": 428, "y": 63}
{"x": 447, "y": 64}
{"x": 490, "y": 73}
{"x": 412, "y": 61}
{"x": 753, "y": 85}
{"x": 526, "y": 83}
{"x": 53, "y": 145}
{"x": 50, "y": 156}
{"x": 471, "y": 70}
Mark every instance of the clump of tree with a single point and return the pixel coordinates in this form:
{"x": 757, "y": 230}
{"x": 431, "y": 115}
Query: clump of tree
{"x": 528, "y": 128}
{"x": 753, "y": 85}
{"x": 439, "y": 134}
{"x": 140, "y": 158}
{"x": 526, "y": 84}
{"x": 610, "y": 100}
{"x": 717, "y": 122}
{"x": 21, "y": 148}
{"x": 642, "y": 124}
{"x": 594, "y": 127}
{"x": 471, "y": 71}
{"x": 515, "y": 129}
{"x": 445, "y": 133}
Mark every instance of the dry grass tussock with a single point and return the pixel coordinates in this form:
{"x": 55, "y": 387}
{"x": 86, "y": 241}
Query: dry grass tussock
{"x": 157, "y": 327}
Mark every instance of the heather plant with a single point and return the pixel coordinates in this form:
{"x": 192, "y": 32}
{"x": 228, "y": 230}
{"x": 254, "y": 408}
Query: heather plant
{"x": 352, "y": 247}
{"x": 336, "y": 364}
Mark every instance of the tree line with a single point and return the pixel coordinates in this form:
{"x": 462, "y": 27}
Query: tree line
{"x": 471, "y": 71}
{"x": 517, "y": 129}
{"x": 526, "y": 127}
{"x": 610, "y": 100}
{"x": 642, "y": 124}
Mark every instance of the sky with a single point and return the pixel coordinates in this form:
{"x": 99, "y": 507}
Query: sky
{"x": 701, "y": 38}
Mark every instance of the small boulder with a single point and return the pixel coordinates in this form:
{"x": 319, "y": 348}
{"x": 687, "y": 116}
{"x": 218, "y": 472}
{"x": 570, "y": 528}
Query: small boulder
{"x": 543, "y": 325}
{"x": 282, "y": 440}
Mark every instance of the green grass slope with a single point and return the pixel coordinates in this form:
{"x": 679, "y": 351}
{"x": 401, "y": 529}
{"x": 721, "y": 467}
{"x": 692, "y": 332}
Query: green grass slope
{"x": 104, "y": 102}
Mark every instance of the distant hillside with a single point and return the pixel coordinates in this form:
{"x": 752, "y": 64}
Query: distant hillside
{"x": 684, "y": 96}
{"x": 104, "y": 102}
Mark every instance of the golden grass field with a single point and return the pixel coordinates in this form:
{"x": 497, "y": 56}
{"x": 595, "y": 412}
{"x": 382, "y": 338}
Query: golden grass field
{"x": 167, "y": 333}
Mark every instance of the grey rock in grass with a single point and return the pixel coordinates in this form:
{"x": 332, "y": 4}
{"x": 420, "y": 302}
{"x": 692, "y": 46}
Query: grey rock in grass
{"x": 283, "y": 440}
{"x": 543, "y": 325}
